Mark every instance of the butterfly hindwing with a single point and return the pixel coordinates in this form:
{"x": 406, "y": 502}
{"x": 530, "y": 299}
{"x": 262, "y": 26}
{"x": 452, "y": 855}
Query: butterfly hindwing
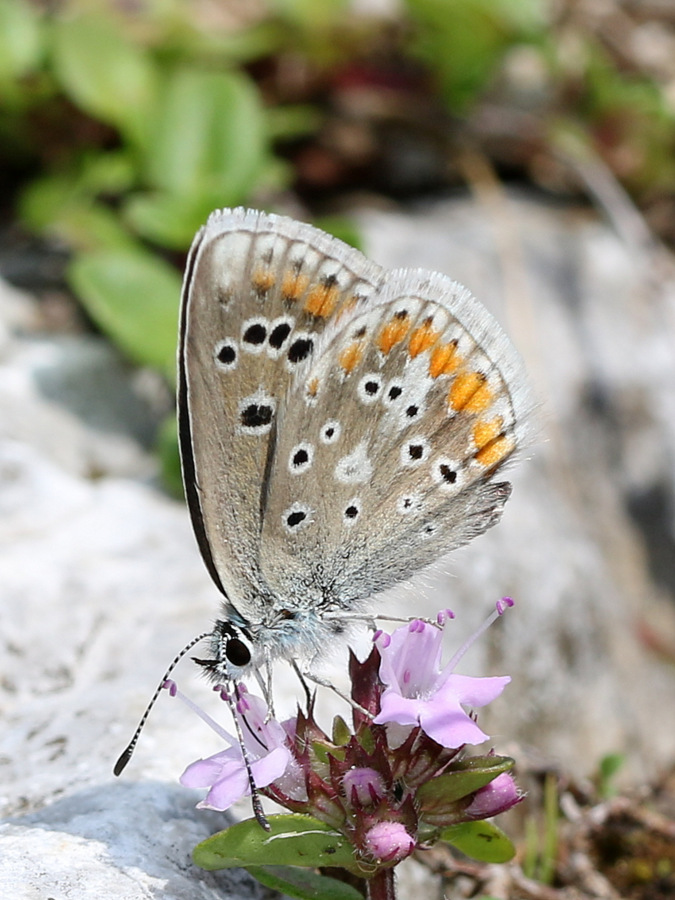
{"x": 389, "y": 446}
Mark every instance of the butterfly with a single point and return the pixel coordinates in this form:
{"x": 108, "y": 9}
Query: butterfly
{"x": 341, "y": 426}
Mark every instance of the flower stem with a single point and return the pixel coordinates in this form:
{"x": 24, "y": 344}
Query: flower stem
{"x": 381, "y": 886}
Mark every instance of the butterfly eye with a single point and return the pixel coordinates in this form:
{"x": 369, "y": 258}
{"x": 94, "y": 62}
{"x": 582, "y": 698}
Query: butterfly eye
{"x": 237, "y": 653}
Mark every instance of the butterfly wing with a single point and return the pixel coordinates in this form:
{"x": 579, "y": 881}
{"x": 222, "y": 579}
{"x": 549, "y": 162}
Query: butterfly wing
{"x": 259, "y": 290}
{"x": 388, "y": 451}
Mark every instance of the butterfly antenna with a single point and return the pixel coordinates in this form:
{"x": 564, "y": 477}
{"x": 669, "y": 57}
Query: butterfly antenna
{"x": 121, "y": 763}
{"x": 256, "y": 803}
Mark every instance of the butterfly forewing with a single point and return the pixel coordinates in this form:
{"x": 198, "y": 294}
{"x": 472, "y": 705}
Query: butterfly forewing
{"x": 259, "y": 291}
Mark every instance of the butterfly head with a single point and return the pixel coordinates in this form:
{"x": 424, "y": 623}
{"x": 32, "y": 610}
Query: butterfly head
{"x": 232, "y": 652}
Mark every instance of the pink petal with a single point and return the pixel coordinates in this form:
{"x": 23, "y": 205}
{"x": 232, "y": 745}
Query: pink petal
{"x": 226, "y": 791}
{"x": 471, "y": 690}
{"x": 270, "y": 767}
{"x": 395, "y": 708}
{"x": 450, "y": 726}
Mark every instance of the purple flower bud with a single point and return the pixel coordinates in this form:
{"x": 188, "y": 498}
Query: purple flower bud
{"x": 363, "y": 786}
{"x": 496, "y": 797}
{"x": 389, "y": 842}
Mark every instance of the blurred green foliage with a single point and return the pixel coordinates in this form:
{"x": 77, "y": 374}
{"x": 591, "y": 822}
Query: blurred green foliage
{"x": 131, "y": 124}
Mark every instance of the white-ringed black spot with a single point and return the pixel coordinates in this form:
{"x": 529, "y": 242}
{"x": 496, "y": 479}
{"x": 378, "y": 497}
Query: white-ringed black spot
{"x": 392, "y": 393}
{"x": 446, "y": 473}
{"x": 296, "y": 517}
{"x": 351, "y": 511}
{"x": 301, "y": 458}
{"x": 254, "y": 334}
{"x": 279, "y": 334}
{"x": 414, "y": 452}
{"x": 331, "y": 431}
{"x": 256, "y": 413}
{"x": 412, "y": 411}
{"x": 369, "y": 388}
{"x": 409, "y": 504}
{"x": 300, "y": 349}
{"x": 429, "y": 530}
{"x": 225, "y": 354}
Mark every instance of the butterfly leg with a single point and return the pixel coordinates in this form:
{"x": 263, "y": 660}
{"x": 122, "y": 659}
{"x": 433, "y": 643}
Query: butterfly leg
{"x": 371, "y": 619}
{"x": 322, "y": 682}
{"x": 266, "y": 688}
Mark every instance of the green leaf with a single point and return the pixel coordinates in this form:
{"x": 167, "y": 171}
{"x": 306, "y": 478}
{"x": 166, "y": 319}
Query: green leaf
{"x": 56, "y": 205}
{"x": 463, "y": 41}
{"x": 133, "y": 297}
{"x": 483, "y": 841}
{"x": 293, "y": 121}
{"x": 104, "y": 73}
{"x": 610, "y": 765}
{"x": 294, "y": 840}
{"x": 341, "y": 731}
{"x": 169, "y": 220}
{"x": 208, "y": 139}
{"x": 20, "y": 39}
{"x": 468, "y": 775}
{"x": 304, "y": 883}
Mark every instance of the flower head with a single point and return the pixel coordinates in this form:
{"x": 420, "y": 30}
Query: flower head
{"x": 385, "y": 789}
{"x": 419, "y": 692}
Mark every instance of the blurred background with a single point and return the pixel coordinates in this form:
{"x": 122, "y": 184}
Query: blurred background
{"x": 525, "y": 147}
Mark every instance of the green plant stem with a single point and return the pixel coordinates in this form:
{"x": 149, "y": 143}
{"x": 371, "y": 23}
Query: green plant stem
{"x": 381, "y": 886}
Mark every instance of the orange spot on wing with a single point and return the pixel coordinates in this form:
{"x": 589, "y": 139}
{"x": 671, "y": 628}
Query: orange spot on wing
{"x": 444, "y": 360}
{"x": 293, "y": 286}
{"x": 313, "y": 387}
{"x": 495, "y": 451}
{"x": 487, "y": 430}
{"x": 422, "y": 338}
{"x": 262, "y": 281}
{"x": 394, "y": 331}
{"x": 322, "y": 299}
{"x": 351, "y": 356}
{"x": 470, "y": 392}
